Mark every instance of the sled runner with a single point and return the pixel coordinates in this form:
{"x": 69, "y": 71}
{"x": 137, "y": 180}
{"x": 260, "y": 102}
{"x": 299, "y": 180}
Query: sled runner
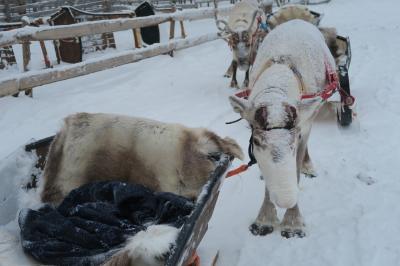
{"x": 195, "y": 227}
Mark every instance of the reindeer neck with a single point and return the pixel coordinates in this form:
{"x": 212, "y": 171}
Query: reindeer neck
{"x": 277, "y": 82}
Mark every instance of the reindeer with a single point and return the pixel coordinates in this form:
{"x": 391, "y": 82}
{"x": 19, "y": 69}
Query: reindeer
{"x": 241, "y": 33}
{"x": 293, "y": 64}
{"x": 161, "y": 156}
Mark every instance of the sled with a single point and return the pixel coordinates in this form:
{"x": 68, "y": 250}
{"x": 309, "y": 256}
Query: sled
{"x": 344, "y": 112}
{"x": 195, "y": 227}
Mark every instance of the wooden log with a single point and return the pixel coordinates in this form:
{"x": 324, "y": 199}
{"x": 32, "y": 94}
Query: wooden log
{"x": 45, "y": 54}
{"x": 26, "y": 57}
{"x": 11, "y": 85}
{"x": 102, "y": 26}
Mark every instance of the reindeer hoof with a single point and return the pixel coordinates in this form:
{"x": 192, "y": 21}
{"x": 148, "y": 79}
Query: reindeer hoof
{"x": 226, "y": 75}
{"x": 234, "y": 84}
{"x": 261, "y": 230}
{"x": 309, "y": 174}
{"x": 245, "y": 84}
{"x": 289, "y": 233}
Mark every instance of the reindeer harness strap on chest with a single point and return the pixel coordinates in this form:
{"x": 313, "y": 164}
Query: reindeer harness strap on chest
{"x": 330, "y": 88}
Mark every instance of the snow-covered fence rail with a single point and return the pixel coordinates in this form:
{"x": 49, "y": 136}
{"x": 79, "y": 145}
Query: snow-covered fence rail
{"x": 102, "y": 26}
{"x": 31, "y": 79}
{"x": 25, "y": 81}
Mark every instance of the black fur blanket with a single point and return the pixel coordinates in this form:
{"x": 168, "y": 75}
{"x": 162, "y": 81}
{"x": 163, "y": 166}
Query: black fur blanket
{"x": 95, "y": 220}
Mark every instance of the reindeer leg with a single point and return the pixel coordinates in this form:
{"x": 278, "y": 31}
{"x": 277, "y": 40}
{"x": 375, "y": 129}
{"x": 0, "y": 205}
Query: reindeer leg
{"x": 307, "y": 167}
{"x": 293, "y": 223}
{"x": 266, "y": 219}
{"x": 229, "y": 71}
{"x": 305, "y": 163}
{"x": 246, "y": 80}
{"x": 234, "y": 83}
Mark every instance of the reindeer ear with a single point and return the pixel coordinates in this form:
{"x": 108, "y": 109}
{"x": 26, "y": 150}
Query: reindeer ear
{"x": 232, "y": 148}
{"x": 239, "y": 105}
{"x": 261, "y": 116}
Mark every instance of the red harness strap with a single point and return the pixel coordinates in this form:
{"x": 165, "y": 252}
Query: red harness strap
{"x": 330, "y": 88}
{"x": 243, "y": 94}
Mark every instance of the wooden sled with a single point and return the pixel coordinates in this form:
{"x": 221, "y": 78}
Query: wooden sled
{"x": 196, "y": 225}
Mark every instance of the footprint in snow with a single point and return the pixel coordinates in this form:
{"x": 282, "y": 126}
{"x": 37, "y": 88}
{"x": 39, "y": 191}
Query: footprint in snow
{"x": 366, "y": 179}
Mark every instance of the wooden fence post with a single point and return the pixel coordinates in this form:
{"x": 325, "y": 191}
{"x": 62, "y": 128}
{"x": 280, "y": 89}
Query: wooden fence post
{"x": 172, "y": 34}
{"x": 45, "y": 54}
{"x": 138, "y": 38}
{"x": 183, "y": 33}
{"x": 26, "y": 56}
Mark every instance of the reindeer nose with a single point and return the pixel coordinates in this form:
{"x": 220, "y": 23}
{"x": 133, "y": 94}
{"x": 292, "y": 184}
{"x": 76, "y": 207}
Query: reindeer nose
{"x": 242, "y": 61}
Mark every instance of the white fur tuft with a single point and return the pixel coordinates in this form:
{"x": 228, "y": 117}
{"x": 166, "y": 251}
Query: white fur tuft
{"x": 146, "y": 246}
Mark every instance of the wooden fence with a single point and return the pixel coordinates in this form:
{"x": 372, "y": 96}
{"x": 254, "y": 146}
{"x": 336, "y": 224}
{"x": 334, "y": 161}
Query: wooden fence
{"x": 29, "y": 79}
{"x": 13, "y": 10}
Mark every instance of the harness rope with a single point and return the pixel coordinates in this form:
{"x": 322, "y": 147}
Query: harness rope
{"x": 252, "y": 161}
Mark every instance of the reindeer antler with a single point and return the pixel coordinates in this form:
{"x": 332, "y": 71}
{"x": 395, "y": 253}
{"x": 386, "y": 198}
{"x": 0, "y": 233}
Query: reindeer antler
{"x": 218, "y": 22}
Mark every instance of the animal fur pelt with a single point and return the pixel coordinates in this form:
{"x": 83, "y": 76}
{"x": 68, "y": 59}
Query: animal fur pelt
{"x": 291, "y": 12}
{"x": 146, "y": 248}
{"x": 160, "y": 156}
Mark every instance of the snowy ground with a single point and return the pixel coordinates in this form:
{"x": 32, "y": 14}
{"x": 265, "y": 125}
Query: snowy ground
{"x": 348, "y": 221}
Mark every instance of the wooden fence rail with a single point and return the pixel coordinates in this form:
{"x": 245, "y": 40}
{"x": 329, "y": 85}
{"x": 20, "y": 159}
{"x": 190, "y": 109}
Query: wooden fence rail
{"x": 97, "y": 27}
{"x": 31, "y": 79}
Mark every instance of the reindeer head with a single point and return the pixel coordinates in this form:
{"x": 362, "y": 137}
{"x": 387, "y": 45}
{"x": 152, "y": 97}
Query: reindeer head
{"x": 239, "y": 38}
{"x": 275, "y": 140}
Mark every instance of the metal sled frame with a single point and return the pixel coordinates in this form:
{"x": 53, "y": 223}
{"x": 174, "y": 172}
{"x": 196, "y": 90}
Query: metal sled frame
{"x": 344, "y": 112}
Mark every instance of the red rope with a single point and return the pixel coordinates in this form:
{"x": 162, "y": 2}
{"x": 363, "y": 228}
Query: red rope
{"x": 238, "y": 170}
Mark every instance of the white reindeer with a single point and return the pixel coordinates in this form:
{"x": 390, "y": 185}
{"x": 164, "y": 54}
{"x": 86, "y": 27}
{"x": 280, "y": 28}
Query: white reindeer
{"x": 292, "y": 62}
{"x": 240, "y": 31}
